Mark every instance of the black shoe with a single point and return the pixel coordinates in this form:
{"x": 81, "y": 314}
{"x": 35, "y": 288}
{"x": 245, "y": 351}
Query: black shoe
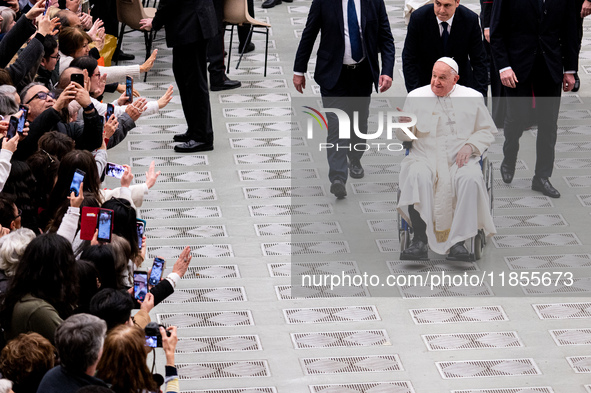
{"x": 186, "y": 137}
{"x": 288, "y": 1}
{"x": 356, "y": 170}
{"x": 543, "y": 185}
{"x": 193, "y": 146}
{"x": 507, "y": 172}
{"x": 227, "y": 84}
{"x": 338, "y": 189}
{"x": 122, "y": 56}
{"x": 417, "y": 251}
{"x": 249, "y": 48}
{"x": 271, "y": 3}
{"x": 577, "y": 85}
{"x": 458, "y": 252}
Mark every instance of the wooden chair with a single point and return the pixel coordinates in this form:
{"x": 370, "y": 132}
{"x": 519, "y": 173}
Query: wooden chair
{"x": 236, "y": 14}
{"x": 129, "y": 13}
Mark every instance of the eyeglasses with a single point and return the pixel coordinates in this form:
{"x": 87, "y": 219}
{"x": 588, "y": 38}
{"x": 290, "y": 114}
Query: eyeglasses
{"x": 57, "y": 57}
{"x": 42, "y": 96}
{"x": 20, "y": 213}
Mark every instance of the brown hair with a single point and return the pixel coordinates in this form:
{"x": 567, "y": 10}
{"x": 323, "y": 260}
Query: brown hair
{"x": 126, "y": 345}
{"x": 56, "y": 143}
{"x": 26, "y": 359}
{"x": 71, "y": 39}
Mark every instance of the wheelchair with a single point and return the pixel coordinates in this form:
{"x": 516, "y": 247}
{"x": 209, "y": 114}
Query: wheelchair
{"x": 476, "y": 244}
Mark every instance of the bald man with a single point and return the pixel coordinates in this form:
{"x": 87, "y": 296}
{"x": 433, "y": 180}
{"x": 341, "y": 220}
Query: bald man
{"x": 443, "y": 195}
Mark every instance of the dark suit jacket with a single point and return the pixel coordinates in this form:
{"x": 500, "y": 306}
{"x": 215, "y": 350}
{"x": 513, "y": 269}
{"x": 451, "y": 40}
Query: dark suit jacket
{"x": 519, "y": 32}
{"x": 327, "y": 16}
{"x": 423, "y": 46}
{"x": 186, "y": 21}
{"x": 485, "y": 13}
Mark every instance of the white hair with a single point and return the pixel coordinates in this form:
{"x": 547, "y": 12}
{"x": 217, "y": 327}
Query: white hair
{"x": 5, "y": 386}
{"x": 13, "y": 247}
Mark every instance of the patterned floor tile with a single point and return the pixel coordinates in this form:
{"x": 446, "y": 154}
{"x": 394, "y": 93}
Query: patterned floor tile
{"x": 206, "y": 319}
{"x": 277, "y": 126}
{"x": 253, "y": 98}
{"x": 572, "y": 163}
{"x": 412, "y": 291}
{"x": 169, "y": 161}
{"x": 456, "y": 341}
{"x": 234, "y": 390}
{"x": 178, "y": 177}
{"x": 218, "y": 344}
{"x": 563, "y": 310}
{"x": 298, "y": 228}
{"x": 571, "y": 336}
{"x": 560, "y": 286}
{"x": 197, "y": 251}
{"x": 252, "y": 143}
{"x": 578, "y": 181}
{"x": 585, "y": 200}
{"x": 530, "y": 221}
{"x": 290, "y": 210}
{"x": 312, "y": 268}
{"x": 518, "y": 183}
{"x": 282, "y": 192}
{"x": 548, "y": 261}
{"x": 435, "y": 265}
{"x": 545, "y": 389}
{"x": 197, "y": 195}
{"x": 487, "y": 368}
{"x": 208, "y": 370}
{"x": 423, "y": 316}
{"x": 181, "y": 212}
{"x": 273, "y": 158}
{"x": 382, "y": 225}
{"x": 520, "y": 165}
{"x": 573, "y": 147}
{"x": 370, "y": 387}
{"x": 284, "y": 292}
{"x": 580, "y": 364}
{"x": 330, "y": 314}
{"x": 212, "y": 271}
{"x": 352, "y": 338}
{"x": 255, "y": 70}
{"x": 536, "y": 240}
{"x": 378, "y": 206}
{"x": 351, "y": 364}
{"x": 388, "y": 245}
{"x": 207, "y": 295}
{"x": 374, "y": 188}
{"x": 522, "y": 202}
{"x": 163, "y": 232}
{"x": 305, "y": 248}
{"x": 277, "y": 174}
{"x": 257, "y": 112}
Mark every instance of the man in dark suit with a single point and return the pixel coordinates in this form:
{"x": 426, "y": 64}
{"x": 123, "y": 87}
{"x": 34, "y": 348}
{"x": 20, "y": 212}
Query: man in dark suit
{"x": 187, "y": 32}
{"x": 534, "y": 46}
{"x": 352, "y": 34}
{"x": 583, "y": 8}
{"x": 449, "y": 29}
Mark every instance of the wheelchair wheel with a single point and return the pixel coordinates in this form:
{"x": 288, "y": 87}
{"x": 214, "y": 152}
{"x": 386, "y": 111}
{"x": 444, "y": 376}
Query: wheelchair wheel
{"x": 478, "y": 246}
{"x": 404, "y": 240}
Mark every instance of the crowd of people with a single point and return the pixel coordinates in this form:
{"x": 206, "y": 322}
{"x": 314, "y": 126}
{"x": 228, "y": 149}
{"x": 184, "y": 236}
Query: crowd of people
{"x": 67, "y": 303}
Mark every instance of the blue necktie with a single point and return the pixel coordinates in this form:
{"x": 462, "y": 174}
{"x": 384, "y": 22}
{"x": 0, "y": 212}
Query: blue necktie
{"x": 354, "y": 35}
{"x": 444, "y": 35}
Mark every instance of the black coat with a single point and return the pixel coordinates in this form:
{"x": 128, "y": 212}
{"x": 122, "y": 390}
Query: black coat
{"x": 519, "y": 31}
{"x": 186, "y": 21}
{"x": 326, "y": 16}
{"x": 423, "y": 46}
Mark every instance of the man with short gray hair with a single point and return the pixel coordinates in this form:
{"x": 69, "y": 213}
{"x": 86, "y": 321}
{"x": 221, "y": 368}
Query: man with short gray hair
{"x": 79, "y": 342}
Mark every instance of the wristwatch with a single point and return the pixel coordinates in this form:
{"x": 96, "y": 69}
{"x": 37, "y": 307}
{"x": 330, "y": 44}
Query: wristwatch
{"x": 88, "y": 108}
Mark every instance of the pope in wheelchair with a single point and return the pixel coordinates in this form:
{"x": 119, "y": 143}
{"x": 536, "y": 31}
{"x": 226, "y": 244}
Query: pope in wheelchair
{"x": 442, "y": 191}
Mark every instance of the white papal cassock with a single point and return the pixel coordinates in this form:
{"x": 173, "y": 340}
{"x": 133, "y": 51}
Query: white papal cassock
{"x": 452, "y": 201}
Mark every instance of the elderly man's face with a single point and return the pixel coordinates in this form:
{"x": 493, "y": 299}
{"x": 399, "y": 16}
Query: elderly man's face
{"x": 445, "y": 9}
{"x": 442, "y": 79}
{"x": 73, "y": 5}
{"x": 37, "y": 104}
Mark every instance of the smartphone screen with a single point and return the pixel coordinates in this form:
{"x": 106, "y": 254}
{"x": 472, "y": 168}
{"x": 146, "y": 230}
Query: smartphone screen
{"x": 12, "y": 127}
{"x": 141, "y": 227}
{"x": 152, "y": 341}
{"x": 105, "y": 223}
{"x": 78, "y": 78}
{"x": 156, "y": 273}
{"x": 115, "y": 170}
{"x": 22, "y": 119}
{"x": 47, "y": 4}
{"x": 140, "y": 285}
{"x": 78, "y": 178}
{"x": 110, "y": 110}
{"x": 129, "y": 88}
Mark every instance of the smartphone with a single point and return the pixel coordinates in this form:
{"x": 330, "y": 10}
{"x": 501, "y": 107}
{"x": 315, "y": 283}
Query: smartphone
{"x": 109, "y": 113}
{"x": 47, "y": 4}
{"x": 88, "y": 222}
{"x": 105, "y": 225}
{"x": 157, "y": 270}
{"x": 140, "y": 285}
{"x": 129, "y": 88}
{"x": 141, "y": 228}
{"x": 76, "y": 180}
{"x": 22, "y": 119}
{"x": 78, "y": 78}
{"x": 12, "y": 127}
{"x": 114, "y": 170}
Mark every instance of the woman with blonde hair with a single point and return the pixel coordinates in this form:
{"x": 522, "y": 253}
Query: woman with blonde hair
{"x": 127, "y": 345}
